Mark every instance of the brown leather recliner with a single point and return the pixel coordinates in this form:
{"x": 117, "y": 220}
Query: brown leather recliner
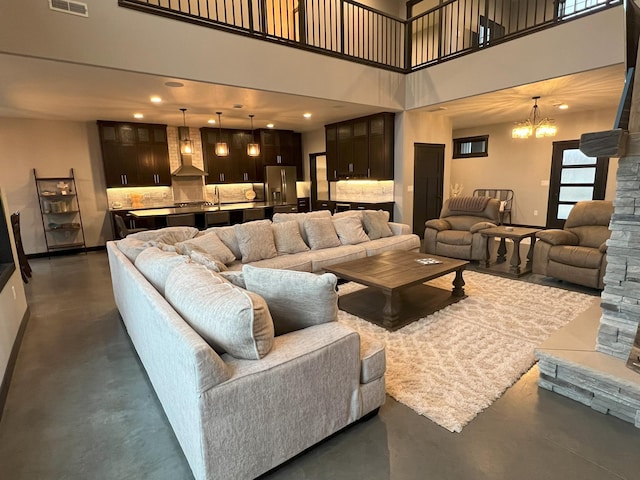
{"x": 577, "y": 253}
{"x": 456, "y": 233}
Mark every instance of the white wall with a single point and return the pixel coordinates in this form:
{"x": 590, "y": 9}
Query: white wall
{"x": 12, "y": 310}
{"x": 122, "y": 38}
{"x": 522, "y": 164}
{"x": 591, "y": 42}
{"x": 52, "y": 148}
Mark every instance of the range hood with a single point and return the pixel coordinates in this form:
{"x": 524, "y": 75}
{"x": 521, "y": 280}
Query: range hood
{"x": 187, "y": 169}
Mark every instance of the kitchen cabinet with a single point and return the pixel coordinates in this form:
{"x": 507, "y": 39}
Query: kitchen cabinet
{"x": 281, "y": 147}
{"x": 134, "y": 154}
{"x": 237, "y": 167}
{"x": 361, "y": 148}
{"x": 60, "y": 212}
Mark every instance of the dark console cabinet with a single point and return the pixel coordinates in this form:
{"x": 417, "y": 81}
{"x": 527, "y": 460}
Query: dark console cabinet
{"x": 361, "y": 148}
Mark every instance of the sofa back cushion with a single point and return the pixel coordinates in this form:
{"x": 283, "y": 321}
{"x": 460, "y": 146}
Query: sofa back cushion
{"x": 296, "y": 300}
{"x": 227, "y": 317}
{"x": 170, "y": 235}
{"x": 490, "y": 213}
{"x": 255, "y": 240}
{"x": 156, "y": 265}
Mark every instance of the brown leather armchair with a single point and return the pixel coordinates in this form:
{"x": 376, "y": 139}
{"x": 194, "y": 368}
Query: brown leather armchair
{"x": 456, "y": 233}
{"x": 577, "y": 253}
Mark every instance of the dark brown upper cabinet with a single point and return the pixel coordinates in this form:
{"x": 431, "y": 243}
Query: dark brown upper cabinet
{"x": 237, "y": 167}
{"x": 134, "y": 154}
{"x": 280, "y": 147}
{"x": 361, "y": 148}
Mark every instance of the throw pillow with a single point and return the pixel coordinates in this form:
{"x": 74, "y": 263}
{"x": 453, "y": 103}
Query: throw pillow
{"x": 349, "y": 230}
{"x": 209, "y": 261}
{"x": 287, "y": 238}
{"x": 209, "y": 244}
{"x": 228, "y": 237}
{"x": 296, "y": 300}
{"x": 255, "y": 240}
{"x": 300, "y": 218}
{"x": 321, "y": 233}
{"x": 229, "y": 318}
{"x": 376, "y": 224}
{"x": 156, "y": 265}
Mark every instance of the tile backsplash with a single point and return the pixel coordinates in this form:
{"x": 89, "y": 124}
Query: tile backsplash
{"x": 368, "y": 191}
{"x": 234, "y": 192}
{"x": 148, "y": 197}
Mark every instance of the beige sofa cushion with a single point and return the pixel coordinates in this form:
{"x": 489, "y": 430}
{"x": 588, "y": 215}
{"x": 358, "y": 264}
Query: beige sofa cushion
{"x": 255, "y": 240}
{"x": 583, "y": 257}
{"x": 376, "y": 224}
{"x": 300, "y": 218}
{"x": 156, "y": 265}
{"x": 169, "y": 235}
{"x": 287, "y": 238}
{"x": 228, "y": 236}
{"x": 210, "y": 244}
{"x": 349, "y": 230}
{"x": 227, "y": 317}
{"x": 321, "y": 233}
{"x": 296, "y": 300}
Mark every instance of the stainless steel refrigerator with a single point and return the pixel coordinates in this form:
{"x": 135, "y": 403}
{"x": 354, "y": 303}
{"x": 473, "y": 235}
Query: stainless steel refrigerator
{"x": 280, "y": 185}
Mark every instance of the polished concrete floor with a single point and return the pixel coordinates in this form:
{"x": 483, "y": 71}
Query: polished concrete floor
{"x": 81, "y": 407}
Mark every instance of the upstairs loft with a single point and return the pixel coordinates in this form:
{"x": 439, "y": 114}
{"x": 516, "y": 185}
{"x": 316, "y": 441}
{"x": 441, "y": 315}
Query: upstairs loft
{"x": 359, "y": 33}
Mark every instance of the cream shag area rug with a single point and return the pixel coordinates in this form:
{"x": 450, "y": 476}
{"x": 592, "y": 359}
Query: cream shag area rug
{"x": 454, "y": 363}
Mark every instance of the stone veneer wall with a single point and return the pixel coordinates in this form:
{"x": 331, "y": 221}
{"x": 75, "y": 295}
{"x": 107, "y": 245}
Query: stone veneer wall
{"x": 621, "y": 295}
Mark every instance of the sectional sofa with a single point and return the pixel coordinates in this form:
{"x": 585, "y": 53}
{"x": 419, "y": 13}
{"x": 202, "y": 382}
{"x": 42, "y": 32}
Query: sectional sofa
{"x": 249, "y": 363}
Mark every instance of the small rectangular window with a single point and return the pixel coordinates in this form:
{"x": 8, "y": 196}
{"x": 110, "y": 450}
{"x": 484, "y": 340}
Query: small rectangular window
{"x": 471, "y": 147}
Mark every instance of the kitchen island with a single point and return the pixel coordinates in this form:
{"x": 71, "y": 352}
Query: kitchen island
{"x": 229, "y": 213}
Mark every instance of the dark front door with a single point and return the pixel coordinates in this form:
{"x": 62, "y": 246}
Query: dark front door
{"x": 428, "y": 179}
{"x": 574, "y": 177}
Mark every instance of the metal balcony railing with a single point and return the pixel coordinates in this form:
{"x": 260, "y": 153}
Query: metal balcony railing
{"x": 350, "y": 30}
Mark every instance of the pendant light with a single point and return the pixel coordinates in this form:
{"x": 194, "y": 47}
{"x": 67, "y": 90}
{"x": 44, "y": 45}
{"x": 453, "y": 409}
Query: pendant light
{"x": 253, "y": 149}
{"x": 186, "y": 145}
{"x": 222, "y": 149}
{"x": 541, "y": 127}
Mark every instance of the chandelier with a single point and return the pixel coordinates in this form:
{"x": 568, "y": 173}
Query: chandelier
{"x": 535, "y": 124}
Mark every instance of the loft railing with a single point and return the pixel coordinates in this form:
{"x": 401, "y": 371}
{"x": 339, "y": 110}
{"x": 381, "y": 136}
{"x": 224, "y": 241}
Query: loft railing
{"x": 347, "y": 29}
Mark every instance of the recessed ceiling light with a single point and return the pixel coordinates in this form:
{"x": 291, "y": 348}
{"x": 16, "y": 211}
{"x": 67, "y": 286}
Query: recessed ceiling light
{"x": 138, "y": 115}
{"x": 155, "y": 99}
{"x": 270, "y": 125}
{"x": 211, "y": 120}
{"x": 307, "y": 115}
{"x": 563, "y": 106}
{"x": 174, "y": 84}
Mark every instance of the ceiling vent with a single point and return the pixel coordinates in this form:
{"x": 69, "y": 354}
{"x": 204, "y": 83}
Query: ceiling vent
{"x": 68, "y": 6}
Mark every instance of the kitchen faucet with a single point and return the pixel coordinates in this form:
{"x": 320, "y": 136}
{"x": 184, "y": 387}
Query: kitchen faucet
{"x": 216, "y": 195}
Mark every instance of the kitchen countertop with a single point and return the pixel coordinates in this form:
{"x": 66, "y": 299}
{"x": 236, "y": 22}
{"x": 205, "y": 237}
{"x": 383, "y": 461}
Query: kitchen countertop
{"x": 162, "y": 212}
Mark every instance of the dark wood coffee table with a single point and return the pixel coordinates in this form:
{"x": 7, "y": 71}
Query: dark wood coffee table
{"x": 396, "y": 293}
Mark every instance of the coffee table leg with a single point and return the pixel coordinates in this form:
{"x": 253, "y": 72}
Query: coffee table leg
{"x": 390, "y": 310}
{"x": 458, "y": 284}
{"x": 515, "y": 257}
{"x": 502, "y": 251}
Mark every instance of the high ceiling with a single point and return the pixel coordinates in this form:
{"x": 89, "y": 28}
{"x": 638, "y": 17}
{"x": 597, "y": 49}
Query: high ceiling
{"x": 43, "y": 89}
